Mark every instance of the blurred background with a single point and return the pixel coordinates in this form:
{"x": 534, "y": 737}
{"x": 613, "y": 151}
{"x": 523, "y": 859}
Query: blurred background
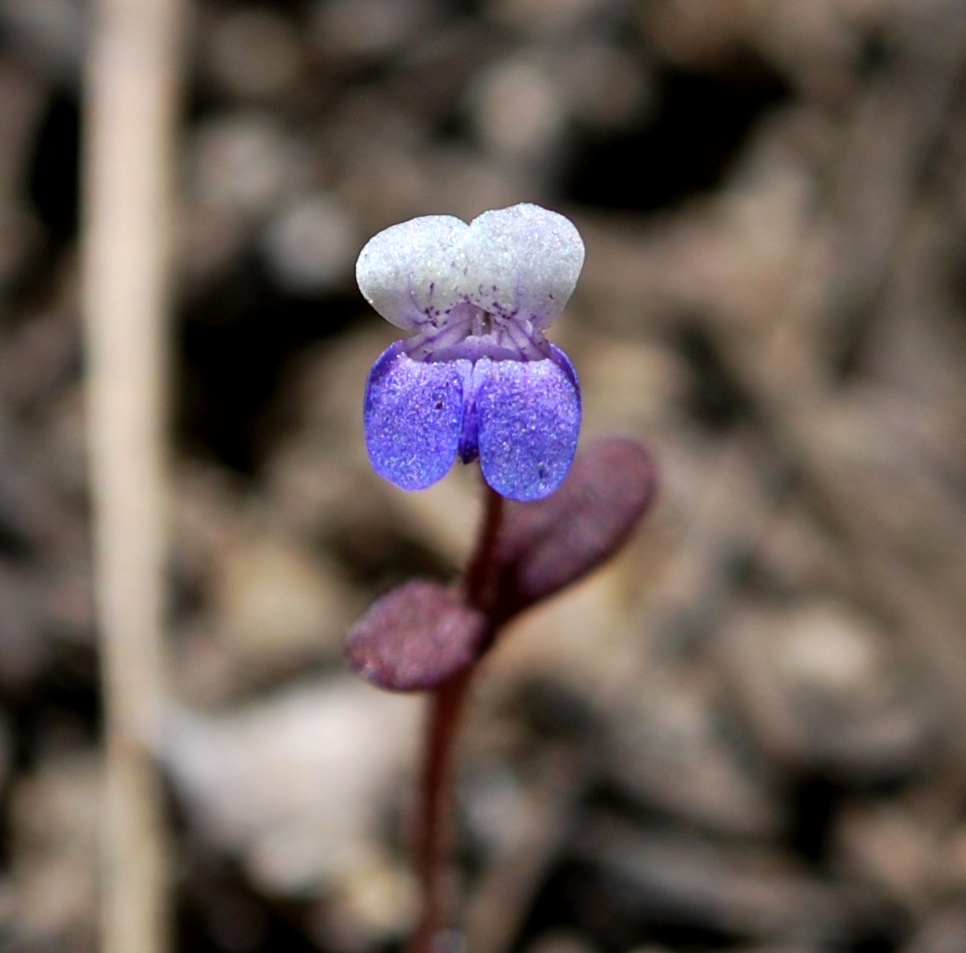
{"x": 749, "y": 733}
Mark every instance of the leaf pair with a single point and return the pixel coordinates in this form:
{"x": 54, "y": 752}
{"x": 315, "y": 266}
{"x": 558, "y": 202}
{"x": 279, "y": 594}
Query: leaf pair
{"x": 422, "y": 633}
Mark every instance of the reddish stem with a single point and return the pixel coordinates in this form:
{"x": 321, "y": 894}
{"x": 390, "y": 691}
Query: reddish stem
{"x": 435, "y": 795}
{"x": 478, "y": 576}
{"x": 435, "y": 808}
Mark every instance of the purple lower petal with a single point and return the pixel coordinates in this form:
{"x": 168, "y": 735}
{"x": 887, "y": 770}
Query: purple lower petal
{"x": 413, "y": 417}
{"x": 528, "y": 414}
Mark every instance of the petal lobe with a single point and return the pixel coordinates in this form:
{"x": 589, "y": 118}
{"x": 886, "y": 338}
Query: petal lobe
{"x": 529, "y": 420}
{"x": 526, "y": 260}
{"x": 413, "y": 417}
{"x": 410, "y": 272}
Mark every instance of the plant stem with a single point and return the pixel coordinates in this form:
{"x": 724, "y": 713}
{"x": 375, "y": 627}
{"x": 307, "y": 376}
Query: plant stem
{"x": 130, "y": 114}
{"x": 478, "y": 576}
{"x": 435, "y": 808}
{"x": 435, "y": 796}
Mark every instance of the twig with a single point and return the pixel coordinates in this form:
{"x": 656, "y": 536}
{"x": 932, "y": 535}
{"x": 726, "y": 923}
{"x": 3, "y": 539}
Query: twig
{"x": 543, "y": 823}
{"x": 129, "y": 122}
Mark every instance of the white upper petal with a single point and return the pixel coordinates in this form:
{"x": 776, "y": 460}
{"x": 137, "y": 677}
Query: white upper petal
{"x": 409, "y": 271}
{"x": 526, "y": 259}
{"x": 521, "y": 261}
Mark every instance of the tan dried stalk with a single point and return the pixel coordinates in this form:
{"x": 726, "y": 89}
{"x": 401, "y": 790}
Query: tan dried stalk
{"x": 129, "y": 124}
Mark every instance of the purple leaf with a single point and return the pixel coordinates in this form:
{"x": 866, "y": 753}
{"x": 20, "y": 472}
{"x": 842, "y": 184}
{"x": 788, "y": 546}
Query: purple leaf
{"x": 417, "y": 636}
{"x": 546, "y": 545}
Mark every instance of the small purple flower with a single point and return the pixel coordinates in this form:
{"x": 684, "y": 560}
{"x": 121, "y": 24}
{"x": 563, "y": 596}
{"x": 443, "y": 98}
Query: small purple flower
{"x": 477, "y": 378}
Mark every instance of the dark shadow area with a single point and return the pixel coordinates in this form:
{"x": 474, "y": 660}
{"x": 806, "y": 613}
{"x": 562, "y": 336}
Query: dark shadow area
{"x": 234, "y": 341}
{"x": 54, "y": 185}
{"x": 700, "y": 126}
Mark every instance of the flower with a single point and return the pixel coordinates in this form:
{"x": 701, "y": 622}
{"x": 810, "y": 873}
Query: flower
{"x": 477, "y": 378}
